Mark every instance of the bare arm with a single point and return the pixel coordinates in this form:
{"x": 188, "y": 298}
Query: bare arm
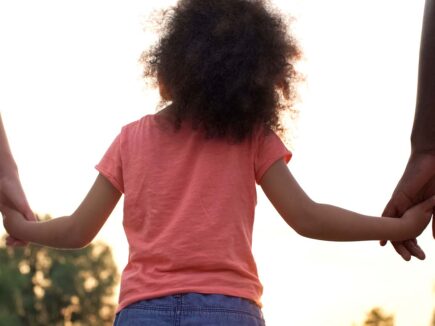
{"x": 11, "y": 191}
{"x": 73, "y": 231}
{"x": 418, "y": 180}
{"x": 423, "y": 132}
{"x": 326, "y": 222}
{"x": 7, "y": 162}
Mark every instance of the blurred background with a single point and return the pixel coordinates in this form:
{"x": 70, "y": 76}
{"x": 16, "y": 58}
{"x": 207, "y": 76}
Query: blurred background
{"x": 70, "y": 79}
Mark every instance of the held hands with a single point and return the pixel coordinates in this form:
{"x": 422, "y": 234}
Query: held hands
{"x": 416, "y": 218}
{"x": 12, "y": 195}
{"x": 13, "y": 221}
{"x": 416, "y": 185}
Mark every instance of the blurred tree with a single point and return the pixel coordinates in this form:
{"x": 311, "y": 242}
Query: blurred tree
{"x": 376, "y": 317}
{"x": 44, "y": 286}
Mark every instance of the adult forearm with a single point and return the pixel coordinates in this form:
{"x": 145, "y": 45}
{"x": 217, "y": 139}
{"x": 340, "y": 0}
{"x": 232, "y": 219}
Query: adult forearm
{"x": 7, "y": 162}
{"x": 423, "y": 132}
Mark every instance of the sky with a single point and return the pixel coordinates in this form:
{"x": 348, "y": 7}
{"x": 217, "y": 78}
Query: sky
{"x": 70, "y": 79}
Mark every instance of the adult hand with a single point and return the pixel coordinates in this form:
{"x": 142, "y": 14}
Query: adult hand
{"x": 12, "y": 195}
{"x": 11, "y": 192}
{"x": 416, "y": 185}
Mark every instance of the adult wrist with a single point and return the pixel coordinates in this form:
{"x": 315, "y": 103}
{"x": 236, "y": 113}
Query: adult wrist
{"x": 422, "y": 163}
{"x": 422, "y": 151}
{"x": 422, "y": 144}
{"x": 418, "y": 154}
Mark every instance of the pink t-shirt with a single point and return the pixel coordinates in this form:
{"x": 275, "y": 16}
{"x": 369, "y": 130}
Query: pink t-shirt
{"x": 188, "y": 208}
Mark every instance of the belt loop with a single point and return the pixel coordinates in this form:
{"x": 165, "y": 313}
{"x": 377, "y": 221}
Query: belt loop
{"x": 178, "y": 308}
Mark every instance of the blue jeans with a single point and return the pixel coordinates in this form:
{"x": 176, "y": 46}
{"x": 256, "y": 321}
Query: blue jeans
{"x": 191, "y": 309}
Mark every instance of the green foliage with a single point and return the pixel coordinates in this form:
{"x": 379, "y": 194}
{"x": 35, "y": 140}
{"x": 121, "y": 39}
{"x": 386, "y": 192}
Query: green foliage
{"x": 44, "y": 286}
{"x": 376, "y": 317}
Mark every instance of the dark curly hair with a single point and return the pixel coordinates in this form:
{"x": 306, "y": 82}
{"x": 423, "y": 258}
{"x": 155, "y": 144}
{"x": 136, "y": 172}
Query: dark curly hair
{"x": 227, "y": 65}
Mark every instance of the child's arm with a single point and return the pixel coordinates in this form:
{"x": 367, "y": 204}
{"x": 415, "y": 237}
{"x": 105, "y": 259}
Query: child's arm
{"x": 326, "y": 222}
{"x": 75, "y": 231}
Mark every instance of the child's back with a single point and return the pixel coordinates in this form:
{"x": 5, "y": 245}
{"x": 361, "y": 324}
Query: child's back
{"x": 188, "y": 208}
{"x": 189, "y": 172}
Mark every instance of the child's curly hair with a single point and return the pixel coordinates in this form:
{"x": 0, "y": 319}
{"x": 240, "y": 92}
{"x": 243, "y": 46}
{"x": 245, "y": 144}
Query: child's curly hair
{"x": 227, "y": 66}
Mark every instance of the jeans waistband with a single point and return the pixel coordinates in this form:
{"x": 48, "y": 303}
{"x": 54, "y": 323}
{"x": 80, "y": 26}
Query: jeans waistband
{"x": 198, "y": 301}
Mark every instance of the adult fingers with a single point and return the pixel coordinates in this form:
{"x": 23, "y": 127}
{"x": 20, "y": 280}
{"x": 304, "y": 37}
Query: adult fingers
{"x": 414, "y": 249}
{"x": 402, "y": 250}
{"x": 19, "y": 201}
{"x": 20, "y": 204}
{"x": 13, "y": 196}
{"x": 409, "y": 248}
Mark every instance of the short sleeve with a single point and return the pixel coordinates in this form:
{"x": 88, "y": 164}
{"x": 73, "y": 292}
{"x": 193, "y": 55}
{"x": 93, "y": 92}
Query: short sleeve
{"x": 270, "y": 149}
{"x": 110, "y": 165}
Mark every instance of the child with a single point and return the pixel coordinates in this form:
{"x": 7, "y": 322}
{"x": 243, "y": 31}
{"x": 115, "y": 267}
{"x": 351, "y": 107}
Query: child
{"x": 188, "y": 173}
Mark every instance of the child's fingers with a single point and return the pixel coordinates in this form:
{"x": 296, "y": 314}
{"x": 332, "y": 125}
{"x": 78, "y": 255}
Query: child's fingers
{"x": 12, "y": 242}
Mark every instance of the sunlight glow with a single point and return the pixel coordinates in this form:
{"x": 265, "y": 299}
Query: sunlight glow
{"x": 70, "y": 80}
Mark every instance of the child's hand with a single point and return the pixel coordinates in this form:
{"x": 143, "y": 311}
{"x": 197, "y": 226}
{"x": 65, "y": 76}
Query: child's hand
{"x": 13, "y": 222}
{"x": 417, "y": 218}
{"x": 12, "y": 242}
{"x": 12, "y": 195}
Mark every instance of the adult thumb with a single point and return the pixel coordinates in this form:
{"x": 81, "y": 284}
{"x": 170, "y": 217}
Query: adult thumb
{"x": 14, "y": 197}
{"x": 428, "y": 206}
